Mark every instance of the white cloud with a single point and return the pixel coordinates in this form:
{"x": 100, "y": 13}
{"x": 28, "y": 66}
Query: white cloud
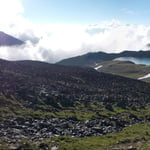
{"x": 10, "y": 7}
{"x": 53, "y": 42}
{"x": 9, "y": 10}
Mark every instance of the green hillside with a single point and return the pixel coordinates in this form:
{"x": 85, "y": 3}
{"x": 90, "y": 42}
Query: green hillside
{"x": 124, "y": 68}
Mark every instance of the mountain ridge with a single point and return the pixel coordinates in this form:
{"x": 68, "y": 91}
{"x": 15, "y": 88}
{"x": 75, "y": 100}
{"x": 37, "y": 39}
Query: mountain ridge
{"x": 97, "y": 57}
{"x": 8, "y": 40}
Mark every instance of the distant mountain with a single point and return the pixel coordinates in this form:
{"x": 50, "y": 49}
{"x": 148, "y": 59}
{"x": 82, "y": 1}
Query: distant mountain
{"x": 8, "y": 40}
{"x": 97, "y": 57}
{"x": 138, "y": 54}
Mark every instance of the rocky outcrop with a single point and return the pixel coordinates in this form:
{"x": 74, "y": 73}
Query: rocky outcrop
{"x": 14, "y": 130}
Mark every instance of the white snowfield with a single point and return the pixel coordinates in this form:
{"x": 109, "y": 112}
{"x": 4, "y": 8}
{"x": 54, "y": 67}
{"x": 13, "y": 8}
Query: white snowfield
{"x": 98, "y": 67}
{"x": 144, "y": 77}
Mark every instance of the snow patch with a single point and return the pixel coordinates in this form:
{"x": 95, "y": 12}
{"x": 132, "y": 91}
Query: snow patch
{"x": 98, "y": 67}
{"x": 144, "y": 77}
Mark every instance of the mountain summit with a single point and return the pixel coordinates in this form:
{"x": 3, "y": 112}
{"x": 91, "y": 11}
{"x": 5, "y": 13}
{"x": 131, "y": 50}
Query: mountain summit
{"x": 8, "y": 40}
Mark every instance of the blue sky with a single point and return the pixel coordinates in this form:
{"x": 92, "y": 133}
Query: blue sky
{"x": 58, "y": 29}
{"x": 87, "y": 11}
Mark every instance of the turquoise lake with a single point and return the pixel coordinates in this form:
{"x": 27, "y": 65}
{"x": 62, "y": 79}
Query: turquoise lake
{"x": 144, "y": 61}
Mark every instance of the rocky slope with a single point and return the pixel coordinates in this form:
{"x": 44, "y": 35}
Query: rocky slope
{"x": 58, "y": 85}
{"x": 39, "y": 101}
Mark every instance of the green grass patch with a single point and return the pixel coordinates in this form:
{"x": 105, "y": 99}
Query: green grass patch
{"x": 131, "y": 134}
